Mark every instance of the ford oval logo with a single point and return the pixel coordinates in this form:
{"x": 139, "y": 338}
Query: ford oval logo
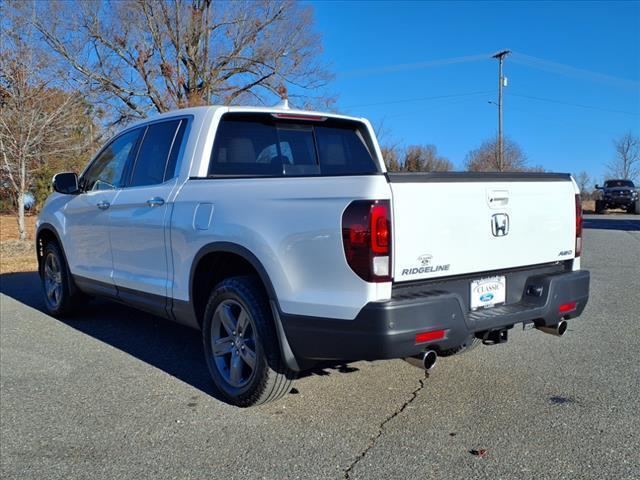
{"x": 486, "y": 297}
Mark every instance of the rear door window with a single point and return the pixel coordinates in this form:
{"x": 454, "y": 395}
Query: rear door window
{"x": 261, "y": 145}
{"x": 155, "y": 154}
{"x": 170, "y": 170}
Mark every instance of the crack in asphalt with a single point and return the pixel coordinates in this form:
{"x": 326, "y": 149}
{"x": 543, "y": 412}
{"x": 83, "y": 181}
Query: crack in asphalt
{"x": 374, "y": 439}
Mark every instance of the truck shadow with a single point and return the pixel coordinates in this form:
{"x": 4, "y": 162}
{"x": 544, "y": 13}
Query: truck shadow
{"x": 170, "y": 347}
{"x": 173, "y": 348}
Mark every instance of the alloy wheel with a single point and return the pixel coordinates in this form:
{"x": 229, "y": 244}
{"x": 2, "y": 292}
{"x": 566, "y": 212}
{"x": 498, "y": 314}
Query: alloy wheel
{"x": 233, "y": 343}
{"x": 53, "y": 281}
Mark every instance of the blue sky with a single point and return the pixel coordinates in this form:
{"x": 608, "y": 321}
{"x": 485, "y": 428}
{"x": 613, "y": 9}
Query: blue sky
{"x": 385, "y": 54}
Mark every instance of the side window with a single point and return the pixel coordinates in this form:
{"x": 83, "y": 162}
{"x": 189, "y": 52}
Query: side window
{"x": 154, "y": 154}
{"x": 106, "y": 171}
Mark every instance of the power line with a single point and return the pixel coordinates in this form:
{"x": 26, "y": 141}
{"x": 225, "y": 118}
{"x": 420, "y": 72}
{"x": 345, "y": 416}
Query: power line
{"x": 429, "y": 110}
{"x": 520, "y": 58}
{"x": 418, "y": 99}
{"x": 568, "y": 70}
{"x": 412, "y": 66}
{"x": 561, "y": 102}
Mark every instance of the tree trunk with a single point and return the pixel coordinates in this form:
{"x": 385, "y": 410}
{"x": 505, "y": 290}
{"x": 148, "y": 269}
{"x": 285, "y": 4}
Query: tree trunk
{"x": 21, "y": 228}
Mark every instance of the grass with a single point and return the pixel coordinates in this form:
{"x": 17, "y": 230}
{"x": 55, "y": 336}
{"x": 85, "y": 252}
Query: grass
{"x": 588, "y": 206}
{"x": 16, "y": 256}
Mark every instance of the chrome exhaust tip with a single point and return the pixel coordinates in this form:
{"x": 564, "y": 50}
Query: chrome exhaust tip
{"x": 558, "y": 329}
{"x": 429, "y": 359}
{"x": 426, "y": 360}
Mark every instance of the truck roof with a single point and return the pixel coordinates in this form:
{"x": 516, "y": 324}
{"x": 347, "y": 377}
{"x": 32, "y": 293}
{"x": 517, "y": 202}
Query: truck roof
{"x": 204, "y": 110}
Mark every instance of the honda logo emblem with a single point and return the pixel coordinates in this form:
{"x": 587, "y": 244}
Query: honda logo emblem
{"x": 500, "y": 224}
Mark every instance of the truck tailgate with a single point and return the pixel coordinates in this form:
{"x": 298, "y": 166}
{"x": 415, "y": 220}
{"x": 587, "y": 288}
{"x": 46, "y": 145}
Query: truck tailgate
{"x": 448, "y": 224}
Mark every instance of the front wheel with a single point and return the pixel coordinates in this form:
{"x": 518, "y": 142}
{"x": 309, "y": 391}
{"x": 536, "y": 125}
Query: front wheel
{"x": 599, "y": 207}
{"x": 55, "y": 282}
{"x": 241, "y": 345}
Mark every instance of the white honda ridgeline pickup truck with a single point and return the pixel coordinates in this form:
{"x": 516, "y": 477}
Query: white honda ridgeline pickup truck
{"x": 279, "y": 234}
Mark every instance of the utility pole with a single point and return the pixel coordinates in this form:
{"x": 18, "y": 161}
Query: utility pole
{"x": 501, "y": 80}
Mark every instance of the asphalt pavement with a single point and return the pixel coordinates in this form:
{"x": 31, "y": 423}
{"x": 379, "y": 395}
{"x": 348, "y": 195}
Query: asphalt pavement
{"x": 115, "y": 393}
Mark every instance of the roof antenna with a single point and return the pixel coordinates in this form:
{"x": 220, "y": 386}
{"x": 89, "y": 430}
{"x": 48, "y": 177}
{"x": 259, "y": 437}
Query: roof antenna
{"x": 284, "y": 103}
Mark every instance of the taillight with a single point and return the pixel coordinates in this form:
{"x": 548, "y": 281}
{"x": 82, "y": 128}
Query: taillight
{"x": 366, "y": 237}
{"x": 380, "y": 229}
{"x": 578, "y": 226}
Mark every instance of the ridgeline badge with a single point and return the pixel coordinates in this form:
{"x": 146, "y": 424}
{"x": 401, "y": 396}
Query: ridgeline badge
{"x": 425, "y": 266}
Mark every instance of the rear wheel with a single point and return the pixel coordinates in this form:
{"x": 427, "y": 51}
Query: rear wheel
{"x": 241, "y": 345}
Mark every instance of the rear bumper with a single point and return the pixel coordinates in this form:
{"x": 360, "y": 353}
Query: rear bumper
{"x": 388, "y": 329}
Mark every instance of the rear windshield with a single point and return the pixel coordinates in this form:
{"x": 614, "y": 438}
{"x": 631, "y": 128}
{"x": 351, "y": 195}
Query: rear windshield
{"x": 262, "y": 145}
{"x": 618, "y": 183}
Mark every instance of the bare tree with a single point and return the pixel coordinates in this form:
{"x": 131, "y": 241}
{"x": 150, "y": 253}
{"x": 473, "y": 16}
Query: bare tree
{"x": 38, "y": 122}
{"x": 391, "y": 158}
{"x": 485, "y": 157}
{"x": 415, "y": 158}
{"x": 626, "y": 164}
{"x": 425, "y": 158}
{"x": 583, "y": 180}
{"x": 389, "y": 146}
{"x": 141, "y": 56}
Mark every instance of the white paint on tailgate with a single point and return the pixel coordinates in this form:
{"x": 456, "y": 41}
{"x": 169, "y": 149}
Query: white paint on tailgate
{"x": 451, "y": 223}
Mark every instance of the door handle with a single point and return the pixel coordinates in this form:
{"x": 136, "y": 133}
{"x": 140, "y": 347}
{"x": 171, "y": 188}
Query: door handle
{"x": 155, "y": 202}
{"x": 103, "y": 205}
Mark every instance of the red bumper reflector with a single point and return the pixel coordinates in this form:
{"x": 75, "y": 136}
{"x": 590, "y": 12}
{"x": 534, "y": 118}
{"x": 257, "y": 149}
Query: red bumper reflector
{"x": 430, "y": 336}
{"x": 567, "y": 307}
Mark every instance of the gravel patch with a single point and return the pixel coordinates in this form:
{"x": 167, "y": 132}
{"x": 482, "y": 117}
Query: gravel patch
{"x": 16, "y": 248}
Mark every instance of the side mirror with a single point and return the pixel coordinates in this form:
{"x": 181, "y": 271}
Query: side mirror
{"x": 597, "y": 187}
{"x": 66, "y": 183}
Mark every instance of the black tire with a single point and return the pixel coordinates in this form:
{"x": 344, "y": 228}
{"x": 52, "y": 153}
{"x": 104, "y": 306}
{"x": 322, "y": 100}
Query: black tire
{"x": 60, "y": 298}
{"x": 253, "y": 339}
{"x": 635, "y": 208}
{"x": 599, "y": 207}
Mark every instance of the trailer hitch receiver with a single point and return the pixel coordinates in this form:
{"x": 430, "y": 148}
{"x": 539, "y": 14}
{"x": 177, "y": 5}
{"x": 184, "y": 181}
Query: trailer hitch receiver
{"x": 494, "y": 337}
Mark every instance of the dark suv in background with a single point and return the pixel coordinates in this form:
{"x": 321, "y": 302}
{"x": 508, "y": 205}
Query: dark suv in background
{"x": 618, "y": 194}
